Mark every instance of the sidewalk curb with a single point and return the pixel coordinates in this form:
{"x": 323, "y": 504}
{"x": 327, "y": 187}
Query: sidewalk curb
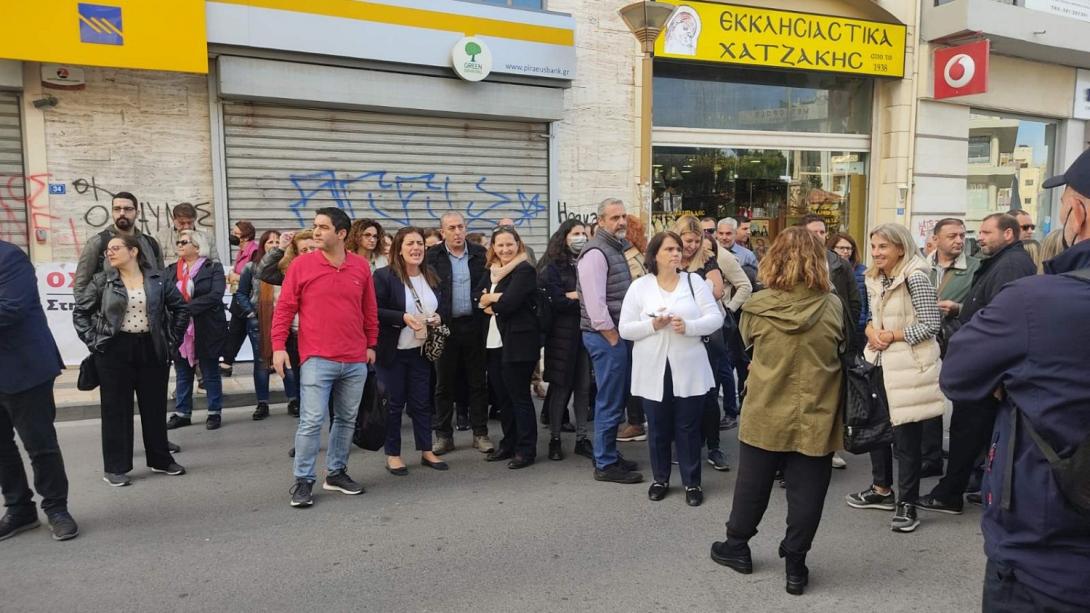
{"x": 77, "y": 412}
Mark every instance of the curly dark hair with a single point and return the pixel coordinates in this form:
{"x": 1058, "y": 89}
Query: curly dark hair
{"x": 558, "y": 251}
{"x": 355, "y": 236}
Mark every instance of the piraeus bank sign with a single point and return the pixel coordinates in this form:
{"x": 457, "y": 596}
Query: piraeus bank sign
{"x": 749, "y": 36}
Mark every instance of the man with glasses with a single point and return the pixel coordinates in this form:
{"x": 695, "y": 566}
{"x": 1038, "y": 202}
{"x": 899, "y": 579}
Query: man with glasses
{"x": 91, "y": 260}
{"x": 1025, "y": 223}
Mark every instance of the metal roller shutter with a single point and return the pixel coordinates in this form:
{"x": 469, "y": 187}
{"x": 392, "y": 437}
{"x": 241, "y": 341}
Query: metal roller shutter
{"x": 13, "y": 224}
{"x": 283, "y": 163}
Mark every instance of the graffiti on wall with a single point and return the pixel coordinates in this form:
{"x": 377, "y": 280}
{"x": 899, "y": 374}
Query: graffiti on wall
{"x": 86, "y": 210}
{"x": 394, "y": 198}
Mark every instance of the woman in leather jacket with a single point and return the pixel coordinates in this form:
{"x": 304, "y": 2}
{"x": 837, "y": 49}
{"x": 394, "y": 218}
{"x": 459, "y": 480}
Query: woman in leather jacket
{"x": 131, "y": 320}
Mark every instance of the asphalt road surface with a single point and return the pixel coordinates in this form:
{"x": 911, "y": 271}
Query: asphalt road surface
{"x": 477, "y": 538}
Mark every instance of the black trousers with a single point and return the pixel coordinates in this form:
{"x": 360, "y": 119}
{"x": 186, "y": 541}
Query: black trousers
{"x": 931, "y": 442}
{"x": 674, "y": 422}
{"x": 1003, "y": 593}
{"x": 129, "y": 365}
{"x": 31, "y": 413}
{"x": 717, "y": 351}
{"x": 511, "y": 381}
{"x": 807, "y": 483}
{"x": 465, "y": 348}
{"x": 970, "y": 432}
{"x": 906, "y": 448}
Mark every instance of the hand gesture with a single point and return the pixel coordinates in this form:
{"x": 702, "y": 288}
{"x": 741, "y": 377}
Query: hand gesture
{"x": 678, "y": 324}
{"x": 412, "y": 321}
{"x": 660, "y": 321}
{"x": 285, "y": 240}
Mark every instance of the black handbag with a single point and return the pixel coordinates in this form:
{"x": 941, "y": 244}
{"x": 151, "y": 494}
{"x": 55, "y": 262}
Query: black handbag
{"x": 88, "y": 374}
{"x": 436, "y": 340}
{"x": 866, "y": 409}
{"x": 370, "y": 431}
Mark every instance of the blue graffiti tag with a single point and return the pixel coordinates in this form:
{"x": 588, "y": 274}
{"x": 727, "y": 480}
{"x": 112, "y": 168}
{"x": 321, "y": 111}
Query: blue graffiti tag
{"x": 390, "y": 197}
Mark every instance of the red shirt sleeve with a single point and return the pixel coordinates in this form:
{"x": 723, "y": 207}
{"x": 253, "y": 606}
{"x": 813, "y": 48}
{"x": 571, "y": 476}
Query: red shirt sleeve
{"x": 370, "y": 310}
{"x": 286, "y": 308}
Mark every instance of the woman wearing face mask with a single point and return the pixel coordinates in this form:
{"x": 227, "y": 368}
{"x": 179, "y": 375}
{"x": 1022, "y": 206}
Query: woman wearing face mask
{"x": 257, "y": 300}
{"x": 567, "y": 364}
{"x": 665, "y": 314}
{"x": 513, "y": 344}
{"x": 127, "y": 316}
{"x": 409, "y": 297}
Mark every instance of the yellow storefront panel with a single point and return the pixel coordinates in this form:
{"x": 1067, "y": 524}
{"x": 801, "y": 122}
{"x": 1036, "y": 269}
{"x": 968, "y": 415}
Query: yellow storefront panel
{"x": 151, "y": 34}
{"x": 748, "y": 36}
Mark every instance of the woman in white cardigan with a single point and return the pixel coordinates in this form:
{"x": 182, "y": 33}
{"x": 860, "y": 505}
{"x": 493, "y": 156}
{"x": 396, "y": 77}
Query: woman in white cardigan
{"x": 666, "y": 313}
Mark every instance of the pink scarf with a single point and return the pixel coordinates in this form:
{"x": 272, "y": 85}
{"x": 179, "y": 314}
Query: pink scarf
{"x": 185, "y": 274}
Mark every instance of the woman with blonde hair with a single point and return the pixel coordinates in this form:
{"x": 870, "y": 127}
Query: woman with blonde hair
{"x": 795, "y": 327}
{"x": 1053, "y": 245}
{"x": 904, "y": 320}
{"x": 696, "y": 259}
{"x": 1033, "y": 248}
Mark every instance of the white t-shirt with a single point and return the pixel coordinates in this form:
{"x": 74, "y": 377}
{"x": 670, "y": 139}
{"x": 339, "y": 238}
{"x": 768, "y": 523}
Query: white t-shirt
{"x": 493, "y": 341}
{"x": 407, "y": 339}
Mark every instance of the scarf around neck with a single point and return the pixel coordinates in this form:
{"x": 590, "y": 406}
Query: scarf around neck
{"x": 185, "y": 274}
{"x": 498, "y": 272}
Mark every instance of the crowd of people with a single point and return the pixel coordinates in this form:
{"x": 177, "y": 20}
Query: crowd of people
{"x": 671, "y": 339}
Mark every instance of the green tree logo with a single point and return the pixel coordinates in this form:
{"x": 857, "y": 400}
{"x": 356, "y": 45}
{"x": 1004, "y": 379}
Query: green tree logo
{"x": 473, "y": 50}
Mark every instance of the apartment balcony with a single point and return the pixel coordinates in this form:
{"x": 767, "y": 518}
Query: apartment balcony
{"x": 1012, "y": 28}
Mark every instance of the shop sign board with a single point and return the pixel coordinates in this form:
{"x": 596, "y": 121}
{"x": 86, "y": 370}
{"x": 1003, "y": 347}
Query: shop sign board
{"x": 471, "y": 59}
{"x": 750, "y": 36}
{"x": 1082, "y": 95}
{"x": 115, "y": 33}
{"x": 961, "y": 70}
{"x": 1074, "y": 9}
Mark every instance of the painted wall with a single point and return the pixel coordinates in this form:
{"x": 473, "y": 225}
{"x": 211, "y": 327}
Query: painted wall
{"x": 137, "y": 131}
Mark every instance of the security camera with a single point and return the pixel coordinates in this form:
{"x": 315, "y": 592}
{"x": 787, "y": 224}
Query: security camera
{"x": 47, "y": 102}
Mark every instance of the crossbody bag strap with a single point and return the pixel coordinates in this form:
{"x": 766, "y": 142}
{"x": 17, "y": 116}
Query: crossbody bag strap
{"x": 416, "y": 297}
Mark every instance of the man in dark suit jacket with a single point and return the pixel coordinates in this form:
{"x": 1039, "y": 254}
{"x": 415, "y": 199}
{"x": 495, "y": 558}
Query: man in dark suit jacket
{"x": 460, "y": 266}
{"x": 29, "y": 362}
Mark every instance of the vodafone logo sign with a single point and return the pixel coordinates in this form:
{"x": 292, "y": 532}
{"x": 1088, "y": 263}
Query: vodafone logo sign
{"x": 963, "y": 70}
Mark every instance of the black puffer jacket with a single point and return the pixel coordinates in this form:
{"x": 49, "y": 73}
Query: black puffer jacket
{"x": 100, "y": 309}
{"x": 565, "y": 340}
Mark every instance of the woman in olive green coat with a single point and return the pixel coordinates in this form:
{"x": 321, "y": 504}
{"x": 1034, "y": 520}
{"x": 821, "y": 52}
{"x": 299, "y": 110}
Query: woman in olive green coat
{"x": 790, "y": 417}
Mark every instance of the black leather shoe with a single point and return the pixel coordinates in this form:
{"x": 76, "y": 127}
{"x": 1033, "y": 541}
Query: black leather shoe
{"x": 10, "y": 525}
{"x": 261, "y": 412}
{"x": 397, "y": 472}
{"x": 694, "y": 496}
{"x": 293, "y": 407}
{"x": 658, "y": 491}
{"x": 171, "y": 447}
{"x": 462, "y": 422}
{"x": 930, "y": 469}
{"x": 796, "y": 584}
{"x": 499, "y": 455}
{"x": 213, "y": 422}
{"x": 519, "y": 462}
{"x": 555, "y": 451}
{"x": 440, "y": 465}
{"x": 798, "y": 576}
{"x": 738, "y": 559}
{"x": 177, "y": 421}
{"x": 628, "y": 465}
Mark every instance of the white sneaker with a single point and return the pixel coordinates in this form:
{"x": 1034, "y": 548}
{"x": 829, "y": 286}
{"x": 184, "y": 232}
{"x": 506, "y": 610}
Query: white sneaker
{"x": 838, "y": 462}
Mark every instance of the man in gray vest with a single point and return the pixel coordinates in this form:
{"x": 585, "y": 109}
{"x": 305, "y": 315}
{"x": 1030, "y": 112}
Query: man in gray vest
{"x": 603, "y": 281}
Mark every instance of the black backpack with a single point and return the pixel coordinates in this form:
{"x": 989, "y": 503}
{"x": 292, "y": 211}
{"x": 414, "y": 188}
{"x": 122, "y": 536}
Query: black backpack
{"x": 1072, "y": 474}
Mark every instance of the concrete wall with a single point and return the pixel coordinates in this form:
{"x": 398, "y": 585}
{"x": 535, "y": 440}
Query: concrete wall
{"x": 138, "y": 131}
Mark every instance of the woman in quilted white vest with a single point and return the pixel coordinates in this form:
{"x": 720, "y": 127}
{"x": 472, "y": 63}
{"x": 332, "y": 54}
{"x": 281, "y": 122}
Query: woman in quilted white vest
{"x": 904, "y": 320}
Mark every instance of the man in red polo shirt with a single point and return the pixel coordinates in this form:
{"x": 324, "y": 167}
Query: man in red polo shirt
{"x": 332, "y": 292}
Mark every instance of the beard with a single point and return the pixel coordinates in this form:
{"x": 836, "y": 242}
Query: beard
{"x": 622, "y": 233}
{"x": 124, "y": 223}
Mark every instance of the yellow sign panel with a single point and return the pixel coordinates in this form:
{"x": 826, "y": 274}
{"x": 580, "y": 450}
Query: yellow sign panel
{"x": 748, "y": 36}
{"x": 151, "y": 34}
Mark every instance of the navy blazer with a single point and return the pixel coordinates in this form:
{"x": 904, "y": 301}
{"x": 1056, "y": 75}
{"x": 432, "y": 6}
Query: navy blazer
{"x": 28, "y": 353}
{"x": 390, "y": 297}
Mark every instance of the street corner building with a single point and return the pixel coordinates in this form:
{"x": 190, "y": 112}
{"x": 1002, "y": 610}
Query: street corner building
{"x": 861, "y": 111}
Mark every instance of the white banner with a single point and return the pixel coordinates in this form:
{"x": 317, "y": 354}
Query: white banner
{"x": 55, "y": 291}
{"x": 1075, "y": 9}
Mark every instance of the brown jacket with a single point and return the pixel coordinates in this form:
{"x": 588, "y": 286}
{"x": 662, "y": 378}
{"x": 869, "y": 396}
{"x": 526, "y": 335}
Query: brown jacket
{"x": 793, "y": 392}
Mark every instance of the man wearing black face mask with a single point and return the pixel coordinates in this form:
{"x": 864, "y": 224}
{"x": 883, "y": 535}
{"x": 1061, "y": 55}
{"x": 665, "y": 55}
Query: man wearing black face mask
{"x": 125, "y": 210}
{"x": 1028, "y": 346}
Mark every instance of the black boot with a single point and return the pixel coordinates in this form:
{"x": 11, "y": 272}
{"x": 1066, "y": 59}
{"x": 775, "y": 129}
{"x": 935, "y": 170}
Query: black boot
{"x": 797, "y": 573}
{"x": 733, "y": 555}
{"x": 555, "y": 452}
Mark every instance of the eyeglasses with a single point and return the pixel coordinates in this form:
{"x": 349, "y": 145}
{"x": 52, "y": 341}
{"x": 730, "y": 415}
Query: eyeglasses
{"x": 846, "y": 249}
{"x": 181, "y": 243}
{"x": 709, "y": 231}
{"x": 1029, "y": 226}
{"x": 124, "y": 209}
{"x": 112, "y": 249}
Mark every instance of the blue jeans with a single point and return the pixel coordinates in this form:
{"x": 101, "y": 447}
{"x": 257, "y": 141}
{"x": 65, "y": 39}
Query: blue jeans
{"x": 210, "y": 368}
{"x": 611, "y": 373}
{"x": 325, "y": 383}
{"x": 261, "y": 369}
